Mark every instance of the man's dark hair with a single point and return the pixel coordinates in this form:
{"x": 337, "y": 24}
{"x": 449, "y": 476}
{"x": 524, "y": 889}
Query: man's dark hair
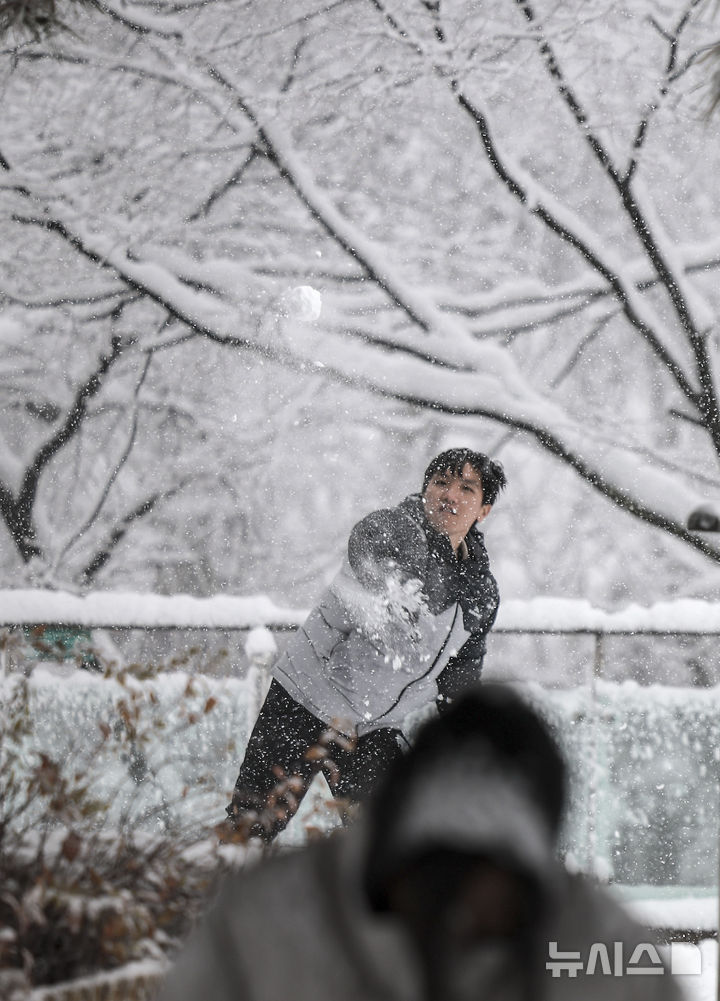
{"x": 519, "y": 738}
{"x": 491, "y": 473}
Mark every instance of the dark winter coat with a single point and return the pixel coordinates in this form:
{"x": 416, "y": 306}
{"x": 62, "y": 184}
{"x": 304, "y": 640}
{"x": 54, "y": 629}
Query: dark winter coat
{"x": 403, "y": 621}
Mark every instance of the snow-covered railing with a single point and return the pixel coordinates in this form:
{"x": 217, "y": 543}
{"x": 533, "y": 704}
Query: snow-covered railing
{"x": 258, "y": 614}
{"x": 138, "y": 981}
{"x": 683, "y": 617}
{"x": 132, "y": 610}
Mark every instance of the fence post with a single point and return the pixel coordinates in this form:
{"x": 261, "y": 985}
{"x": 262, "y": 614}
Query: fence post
{"x": 597, "y": 672}
{"x": 261, "y": 650}
{"x": 717, "y": 975}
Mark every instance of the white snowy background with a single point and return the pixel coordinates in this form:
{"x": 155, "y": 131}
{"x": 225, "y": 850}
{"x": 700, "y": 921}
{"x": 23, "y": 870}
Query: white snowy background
{"x": 260, "y": 262}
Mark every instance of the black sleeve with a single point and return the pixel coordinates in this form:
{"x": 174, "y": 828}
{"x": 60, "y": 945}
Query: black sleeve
{"x": 384, "y": 542}
{"x": 461, "y": 671}
{"x": 479, "y": 600}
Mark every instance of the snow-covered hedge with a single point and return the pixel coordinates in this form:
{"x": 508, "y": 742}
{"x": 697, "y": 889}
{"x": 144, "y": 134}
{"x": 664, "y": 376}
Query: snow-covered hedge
{"x": 644, "y": 760}
{"x": 108, "y": 797}
{"x": 645, "y": 779}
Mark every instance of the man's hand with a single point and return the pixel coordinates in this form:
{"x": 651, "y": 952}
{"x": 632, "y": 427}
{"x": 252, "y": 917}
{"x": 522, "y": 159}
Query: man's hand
{"x": 383, "y": 544}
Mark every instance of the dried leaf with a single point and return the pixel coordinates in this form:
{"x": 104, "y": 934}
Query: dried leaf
{"x": 71, "y": 846}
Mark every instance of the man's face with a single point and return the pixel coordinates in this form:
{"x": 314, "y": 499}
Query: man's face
{"x": 454, "y": 503}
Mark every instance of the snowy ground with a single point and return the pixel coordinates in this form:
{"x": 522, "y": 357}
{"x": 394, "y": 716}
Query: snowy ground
{"x": 703, "y": 987}
{"x": 667, "y": 908}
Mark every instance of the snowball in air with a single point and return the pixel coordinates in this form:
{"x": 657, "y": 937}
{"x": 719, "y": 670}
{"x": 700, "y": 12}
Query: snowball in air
{"x": 304, "y": 302}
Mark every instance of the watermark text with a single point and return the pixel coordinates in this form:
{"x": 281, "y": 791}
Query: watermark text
{"x": 616, "y": 959}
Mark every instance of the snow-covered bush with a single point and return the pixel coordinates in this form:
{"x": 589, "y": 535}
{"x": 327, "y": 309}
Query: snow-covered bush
{"x": 113, "y": 787}
{"x": 106, "y": 844}
{"x": 645, "y": 774}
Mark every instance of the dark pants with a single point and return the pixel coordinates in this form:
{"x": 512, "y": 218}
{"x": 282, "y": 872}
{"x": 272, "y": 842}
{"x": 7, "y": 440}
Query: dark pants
{"x": 287, "y": 748}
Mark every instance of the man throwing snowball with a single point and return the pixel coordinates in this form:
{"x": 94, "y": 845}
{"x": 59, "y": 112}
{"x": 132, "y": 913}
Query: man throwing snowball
{"x": 402, "y": 625}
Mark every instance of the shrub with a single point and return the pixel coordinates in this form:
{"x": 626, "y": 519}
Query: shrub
{"x": 97, "y": 867}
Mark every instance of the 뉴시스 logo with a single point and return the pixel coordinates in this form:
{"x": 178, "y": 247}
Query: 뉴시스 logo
{"x": 681, "y": 959}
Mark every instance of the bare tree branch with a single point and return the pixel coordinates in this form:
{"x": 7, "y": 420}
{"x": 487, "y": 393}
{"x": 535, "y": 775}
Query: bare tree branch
{"x": 115, "y": 472}
{"x": 17, "y": 512}
{"x": 706, "y": 400}
{"x": 670, "y": 75}
{"x": 104, "y": 554}
{"x": 222, "y": 189}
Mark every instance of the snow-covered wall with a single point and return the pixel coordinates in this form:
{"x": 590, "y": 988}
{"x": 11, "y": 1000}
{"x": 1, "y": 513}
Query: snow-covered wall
{"x": 645, "y": 760}
{"x": 124, "y": 609}
{"x": 120, "y": 609}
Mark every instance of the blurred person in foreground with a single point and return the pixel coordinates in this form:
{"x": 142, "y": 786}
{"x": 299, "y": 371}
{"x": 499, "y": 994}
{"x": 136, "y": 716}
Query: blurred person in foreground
{"x": 402, "y": 625}
{"x": 446, "y": 888}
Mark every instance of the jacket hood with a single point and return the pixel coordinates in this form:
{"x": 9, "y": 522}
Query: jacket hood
{"x": 466, "y": 803}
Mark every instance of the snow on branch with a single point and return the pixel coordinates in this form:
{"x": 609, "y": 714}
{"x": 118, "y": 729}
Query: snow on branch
{"x": 158, "y": 66}
{"x": 568, "y": 226}
{"x": 490, "y": 386}
{"x": 140, "y": 21}
{"x": 510, "y": 307}
{"x": 458, "y": 374}
{"x": 648, "y": 231}
{"x": 573, "y": 231}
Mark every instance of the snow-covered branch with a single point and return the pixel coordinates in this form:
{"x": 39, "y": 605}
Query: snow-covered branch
{"x": 17, "y": 510}
{"x": 481, "y": 379}
{"x": 694, "y": 315}
{"x": 570, "y": 228}
{"x": 403, "y": 161}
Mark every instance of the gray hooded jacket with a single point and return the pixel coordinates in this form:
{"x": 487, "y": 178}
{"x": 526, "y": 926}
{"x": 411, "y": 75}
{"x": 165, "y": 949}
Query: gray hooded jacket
{"x": 403, "y": 621}
{"x": 300, "y": 927}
